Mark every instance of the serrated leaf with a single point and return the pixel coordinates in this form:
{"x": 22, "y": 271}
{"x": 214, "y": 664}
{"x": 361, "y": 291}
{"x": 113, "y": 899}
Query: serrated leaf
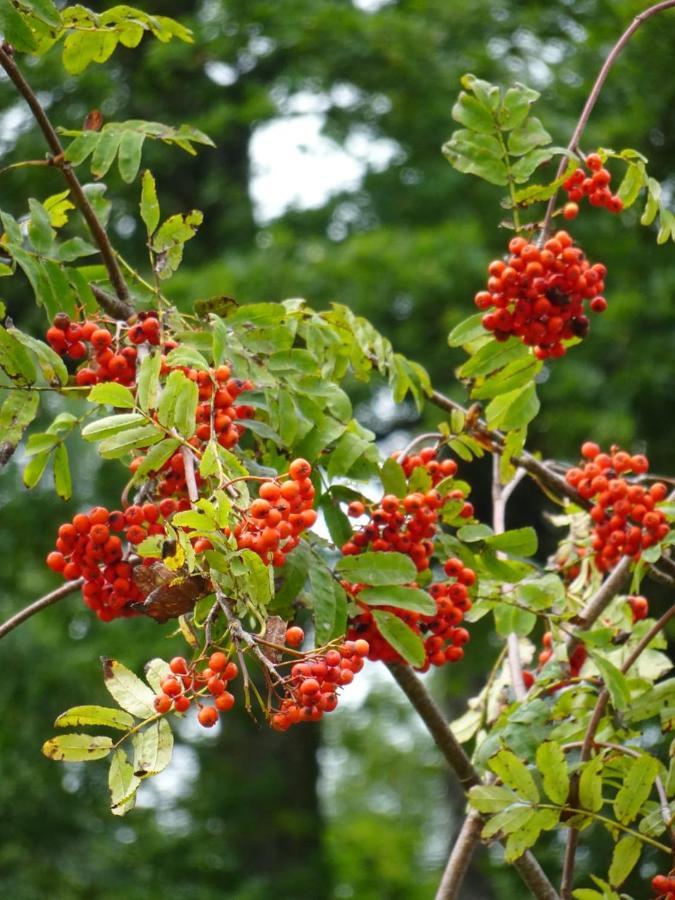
{"x": 18, "y": 410}
{"x": 111, "y": 425}
{"x": 374, "y": 568}
{"x": 469, "y": 534}
{"x": 493, "y": 356}
{"x": 476, "y": 116}
{"x": 129, "y": 691}
{"x": 63, "y": 483}
{"x": 105, "y": 151}
{"x": 156, "y": 670}
{"x": 636, "y": 787}
{"x": 624, "y": 859}
{"x": 156, "y": 457}
{"x": 77, "y": 747}
{"x": 40, "y": 229}
{"x": 112, "y": 393}
{"x": 514, "y": 774}
{"x": 129, "y": 159}
{"x": 324, "y": 602}
{"x": 519, "y": 541}
{"x": 258, "y": 578}
{"x": 553, "y": 767}
{"x": 95, "y": 715}
{"x": 521, "y": 839}
{"x": 467, "y": 331}
{"x": 491, "y": 798}
{"x": 122, "y": 783}
{"x": 153, "y": 747}
{"x": 514, "y": 409}
{"x": 402, "y": 638}
{"x": 147, "y": 391}
{"x": 15, "y": 359}
{"x": 615, "y": 681}
{"x": 477, "y": 154}
{"x": 130, "y": 439}
{"x": 632, "y": 183}
{"x": 527, "y": 136}
{"x": 149, "y": 203}
{"x": 590, "y": 784}
{"x": 526, "y": 165}
{"x": 167, "y": 403}
{"x": 337, "y": 522}
{"x": 185, "y": 410}
{"x": 347, "y": 451}
{"x": 515, "y": 106}
{"x": 401, "y": 597}
{"x": 35, "y": 468}
{"x": 507, "y": 821}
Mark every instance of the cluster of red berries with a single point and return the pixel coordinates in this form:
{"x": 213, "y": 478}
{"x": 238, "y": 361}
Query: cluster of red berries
{"x": 272, "y": 524}
{"x": 443, "y": 639}
{"x": 593, "y": 184}
{"x": 88, "y": 548}
{"x": 187, "y": 684}
{"x": 407, "y": 525}
{"x": 313, "y": 683}
{"x": 625, "y": 517}
{"x": 664, "y": 886}
{"x": 80, "y": 340}
{"x": 538, "y": 294}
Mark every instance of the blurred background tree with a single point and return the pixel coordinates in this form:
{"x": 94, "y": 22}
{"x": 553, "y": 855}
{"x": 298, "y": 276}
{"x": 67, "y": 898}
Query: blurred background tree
{"x": 327, "y": 182}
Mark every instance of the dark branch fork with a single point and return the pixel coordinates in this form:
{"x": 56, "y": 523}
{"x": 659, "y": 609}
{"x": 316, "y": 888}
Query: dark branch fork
{"x": 119, "y": 307}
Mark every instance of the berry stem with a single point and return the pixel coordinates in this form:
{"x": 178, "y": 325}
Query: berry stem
{"x": 573, "y": 145}
{"x": 38, "y": 605}
{"x": 119, "y": 307}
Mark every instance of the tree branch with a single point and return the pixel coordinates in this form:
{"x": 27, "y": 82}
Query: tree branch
{"x": 118, "y": 307}
{"x": 527, "y": 866}
{"x": 460, "y": 858}
{"x": 573, "y": 145}
{"x": 38, "y": 605}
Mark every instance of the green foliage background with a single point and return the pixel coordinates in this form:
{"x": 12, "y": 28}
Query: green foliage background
{"x": 362, "y": 808}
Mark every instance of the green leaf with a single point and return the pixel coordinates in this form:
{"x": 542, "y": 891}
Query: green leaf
{"x": 105, "y": 151}
{"x": 147, "y": 391}
{"x": 624, "y": 859}
{"x": 527, "y": 136}
{"x": 403, "y": 639}
{"x": 74, "y": 248}
{"x": 410, "y": 598}
{"x": 590, "y": 784}
{"x": 18, "y": 410}
{"x": 615, "y": 681}
{"x": 129, "y": 159}
{"x": 77, "y": 747}
{"x": 526, "y": 165}
{"x": 469, "y": 111}
{"x": 477, "y": 154}
{"x": 632, "y": 183}
{"x": 130, "y": 439}
{"x": 521, "y": 839}
{"x": 393, "y": 478}
{"x": 514, "y": 409}
{"x": 112, "y": 393}
{"x": 520, "y": 541}
{"x": 122, "y": 783}
{"x": 510, "y": 619}
{"x": 471, "y": 533}
{"x": 492, "y": 356}
{"x": 153, "y": 747}
{"x": 156, "y": 670}
{"x": 82, "y": 147}
{"x": 95, "y": 715}
{"x": 35, "y": 468}
{"x": 167, "y": 403}
{"x": 515, "y": 106}
{"x": 111, "y": 425}
{"x": 374, "y": 568}
{"x": 337, "y": 522}
{"x": 514, "y": 375}
{"x": 15, "y": 359}
{"x": 149, "y": 203}
{"x": 511, "y": 819}
{"x": 544, "y": 593}
{"x": 467, "y": 331}
{"x": 514, "y": 774}
{"x": 62, "y": 480}
{"x": 185, "y": 355}
{"x": 156, "y": 457}
{"x": 324, "y": 602}
{"x": 636, "y": 788}
{"x": 348, "y": 449}
{"x": 40, "y": 230}
{"x": 185, "y": 410}
{"x": 257, "y": 578}
{"x": 37, "y": 443}
{"x": 15, "y": 29}
{"x": 168, "y": 241}
{"x": 491, "y": 798}
{"x": 553, "y": 767}
{"x": 129, "y": 691}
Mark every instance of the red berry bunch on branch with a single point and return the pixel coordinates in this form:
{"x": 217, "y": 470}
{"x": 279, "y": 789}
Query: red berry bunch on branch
{"x": 92, "y": 547}
{"x": 313, "y": 683}
{"x": 664, "y": 886}
{"x": 188, "y": 684}
{"x": 91, "y": 339}
{"x": 626, "y": 520}
{"x": 593, "y": 184}
{"x": 538, "y": 294}
{"x": 272, "y": 524}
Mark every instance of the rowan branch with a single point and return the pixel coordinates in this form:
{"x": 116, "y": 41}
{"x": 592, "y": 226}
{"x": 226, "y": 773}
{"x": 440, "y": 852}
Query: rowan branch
{"x": 119, "y": 307}
{"x": 460, "y": 857}
{"x": 38, "y": 605}
{"x": 527, "y": 866}
{"x": 573, "y": 145}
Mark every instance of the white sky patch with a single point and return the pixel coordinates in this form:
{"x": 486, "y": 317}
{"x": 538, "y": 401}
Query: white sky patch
{"x": 294, "y": 165}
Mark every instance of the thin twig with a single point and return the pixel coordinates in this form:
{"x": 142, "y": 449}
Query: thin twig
{"x": 42, "y": 603}
{"x": 190, "y": 479}
{"x": 573, "y": 145}
{"x": 118, "y": 307}
{"x": 428, "y": 436}
{"x": 527, "y": 866}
